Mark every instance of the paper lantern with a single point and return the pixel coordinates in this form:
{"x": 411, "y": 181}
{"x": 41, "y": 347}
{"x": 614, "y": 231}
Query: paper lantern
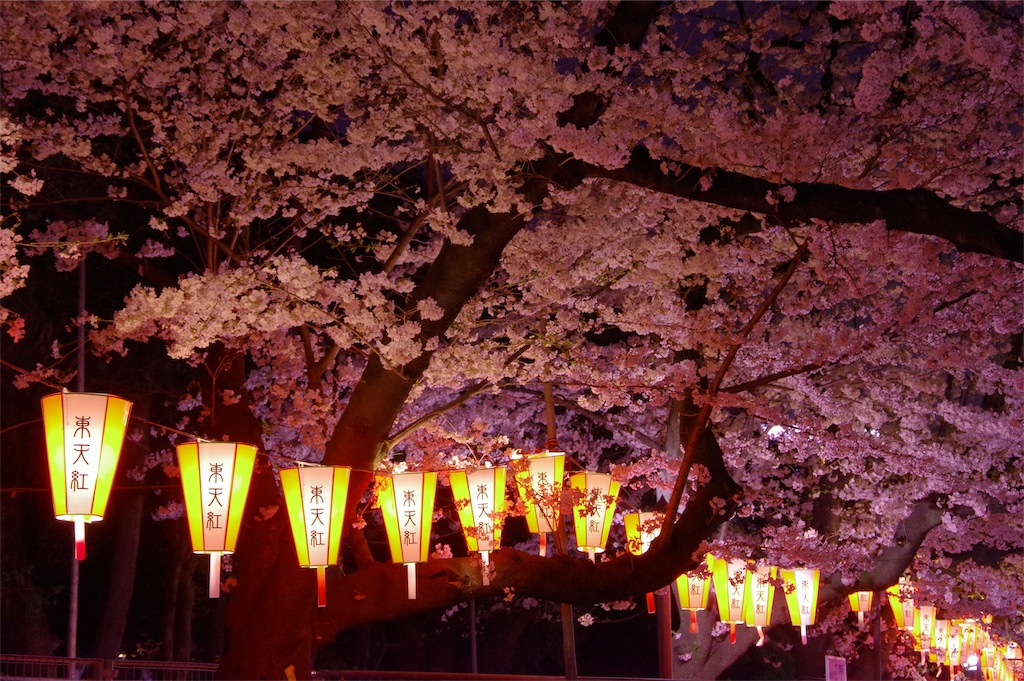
{"x": 641, "y": 529}
{"x": 693, "y": 589}
{"x": 801, "y": 597}
{"x": 860, "y": 603}
{"x": 480, "y": 499}
{"x": 84, "y": 434}
{"x": 730, "y": 579}
{"x": 758, "y": 599}
{"x": 215, "y": 479}
{"x": 969, "y": 644}
{"x": 988, "y": 661}
{"x": 940, "y": 637}
{"x": 595, "y": 498}
{"x": 315, "y": 497}
{"x": 924, "y": 625}
{"x": 953, "y": 646}
{"x": 540, "y": 488}
{"x": 902, "y": 605}
{"x": 406, "y": 500}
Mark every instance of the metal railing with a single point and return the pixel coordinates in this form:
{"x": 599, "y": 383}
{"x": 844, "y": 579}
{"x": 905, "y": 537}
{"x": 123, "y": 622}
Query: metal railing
{"x": 22, "y": 667}
{"x": 93, "y": 669}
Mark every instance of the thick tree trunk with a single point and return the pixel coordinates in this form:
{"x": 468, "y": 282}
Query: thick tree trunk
{"x": 181, "y": 574}
{"x": 121, "y": 580}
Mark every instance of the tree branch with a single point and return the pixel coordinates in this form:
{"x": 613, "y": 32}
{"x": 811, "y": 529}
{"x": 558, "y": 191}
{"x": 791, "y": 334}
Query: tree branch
{"x": 700, "y": 422}
{"x": 367, "y": 595}
{"x": 907, "y": 210}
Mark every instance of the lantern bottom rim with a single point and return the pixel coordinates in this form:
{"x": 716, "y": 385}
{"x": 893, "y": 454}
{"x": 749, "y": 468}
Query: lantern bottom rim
{"x": 83, "y": 517}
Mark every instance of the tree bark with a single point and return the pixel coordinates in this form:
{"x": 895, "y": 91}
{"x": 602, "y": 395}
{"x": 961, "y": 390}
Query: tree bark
{"x": 916, "y": 211}
{"x": 121, "y": 580}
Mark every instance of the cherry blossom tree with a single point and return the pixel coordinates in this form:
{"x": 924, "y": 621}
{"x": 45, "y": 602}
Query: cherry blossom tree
{"x": 370, "y": 233}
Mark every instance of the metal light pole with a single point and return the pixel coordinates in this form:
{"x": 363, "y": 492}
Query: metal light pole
{"x": 80, "y": 387}
{"x": 568, "y": 626}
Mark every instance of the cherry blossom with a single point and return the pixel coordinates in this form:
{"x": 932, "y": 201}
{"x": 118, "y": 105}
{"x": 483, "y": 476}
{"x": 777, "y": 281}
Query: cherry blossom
{"x": 369, "y": 234}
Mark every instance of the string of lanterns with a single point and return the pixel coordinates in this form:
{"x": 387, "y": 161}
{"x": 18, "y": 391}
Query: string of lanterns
{"x": 85, "y": 433}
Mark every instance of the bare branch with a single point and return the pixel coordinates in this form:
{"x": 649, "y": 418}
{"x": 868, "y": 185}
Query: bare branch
{"x": 701, "y": 420}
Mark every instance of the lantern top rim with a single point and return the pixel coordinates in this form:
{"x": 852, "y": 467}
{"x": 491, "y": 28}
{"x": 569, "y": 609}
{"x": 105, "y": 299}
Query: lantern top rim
{"x": 200, "y": 441}
{"x": 84, "y": 392}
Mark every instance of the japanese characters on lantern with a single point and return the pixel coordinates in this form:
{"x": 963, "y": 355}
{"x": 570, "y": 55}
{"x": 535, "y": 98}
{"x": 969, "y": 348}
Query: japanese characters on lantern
{"x": 596, "y": 495}
{"x": 860, "y": 603}
{"x": 802, "y": 597}
{"x": 693, "y": 589}
{"x": 315, "y": 497}
{"x": 480, "y": 499}
{"x": 540, "y": 488}
{"x": 940, "y": 639}
{"x": 215, "y": 479}
{"x": 641, "y": 529}
{"x": 406, "y": 501}
{"x": 84, "y": 434}
{"x": 902, "y": 603}
{"x": 759, "y": 598}
{"x": 924, "y": 626}
{"x": 730, "y": 579}
{"x": 953, "y": 646}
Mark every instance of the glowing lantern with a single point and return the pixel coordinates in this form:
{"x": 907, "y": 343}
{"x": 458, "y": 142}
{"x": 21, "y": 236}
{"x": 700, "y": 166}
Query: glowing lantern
{"x": 902, "y": 606}
{"x": 924, "y": 625}
{"x": 693, "y": 589}
{"x": 988, "y": 661}
{"x": 315, "y": 497}
{"x": 84, "y": 434}
{"x": 860, "y": 603}
{"x": 406, "y": 501}
{"x": 940, "y": 638}
{"x": 969, "y": 638}
{"x": 953, "y": 646}
{"x": 540, "y": 487}
{"x": 641, "y": 529}
{"x": 801, "y": 597}
{"x": 480, "y": 499}
{"x": 758, "y": 599}
{"x": 215, "y": 480}
{"x": 592, "y": 512}
{"x": 730, "y": 578}
{"x": 1011, "y": 661}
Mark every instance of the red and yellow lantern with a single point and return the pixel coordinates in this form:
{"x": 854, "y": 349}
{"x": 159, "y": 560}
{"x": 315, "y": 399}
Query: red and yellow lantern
{"x": 641, "y": 529}
{"x": 595, "y": 497}
{"x": 860, "y": 603}
{"x": 924, "y": 626}
{"x": 730, "y": 578}
{"x": 540, "y": 488}
{"x": 902, "y": 604}
{"x": 969, "y": 644}
{"x": 758, "y": 599}
{"x": 802, "y": 597}
{"x": 954, "y": 643}
{"x": 940, "y": 641}
{"x": 315, "y": 497}
{"x": 693, "y": 589}
{"x": 84, "y": 434}
{"x": 406, "y": 500}
{"x": 480, "y": 500}
{"x": 215, "y": 479}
